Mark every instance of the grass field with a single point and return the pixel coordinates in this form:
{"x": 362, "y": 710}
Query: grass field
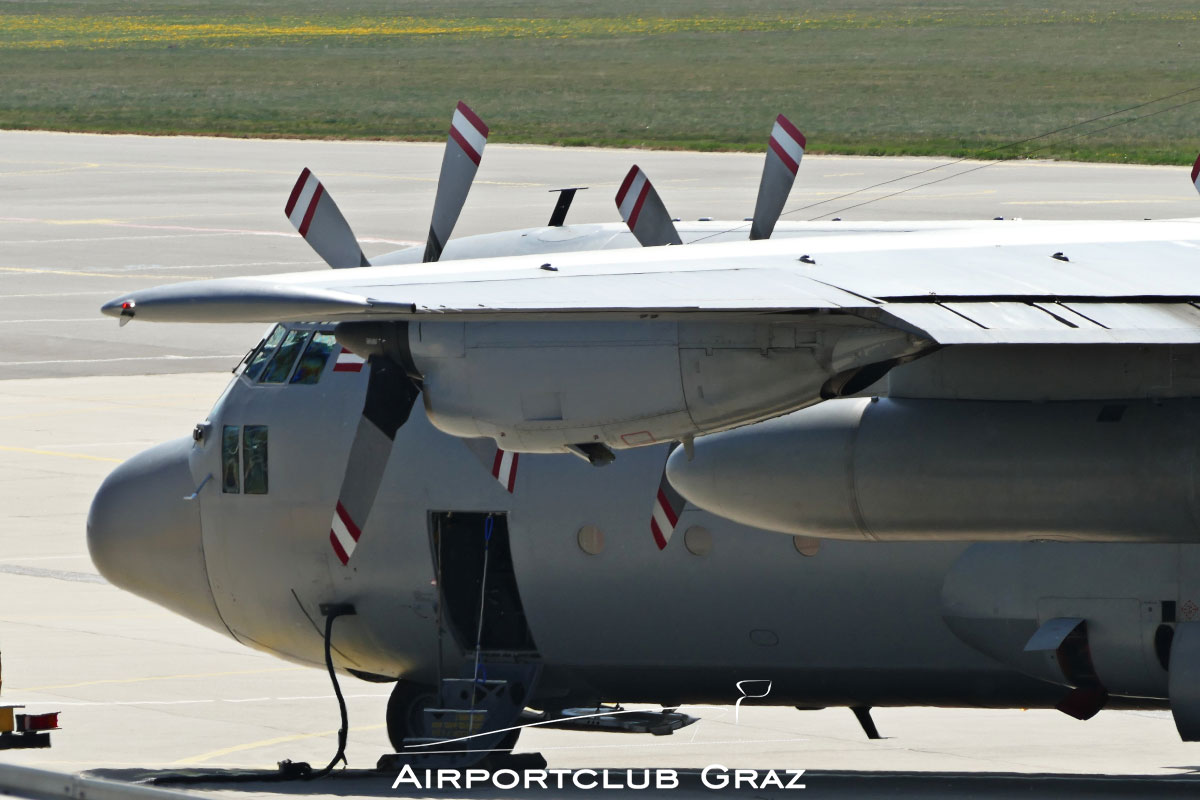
{"x": 862, "y": 76}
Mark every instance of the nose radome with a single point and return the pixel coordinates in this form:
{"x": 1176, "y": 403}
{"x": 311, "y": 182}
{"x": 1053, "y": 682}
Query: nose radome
{"x": 144, "y": 537}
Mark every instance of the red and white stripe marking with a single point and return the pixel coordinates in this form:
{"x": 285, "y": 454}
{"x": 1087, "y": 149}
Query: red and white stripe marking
{"x": 663, "y": 519}
{"x": 348, "y": 362}
{"x": 469, "y": 131}
{"x": 1196, "y": 174}
{"x": 343, "y": 534}
{"x": 302, "y": 203}
{"x": 632, "y": 195}
{"x": 504, "y": 469}
{"x": 788, "y": 143}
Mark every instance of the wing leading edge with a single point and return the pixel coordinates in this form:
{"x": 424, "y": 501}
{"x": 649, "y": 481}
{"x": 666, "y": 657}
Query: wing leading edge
{"x": 998, "y": 283}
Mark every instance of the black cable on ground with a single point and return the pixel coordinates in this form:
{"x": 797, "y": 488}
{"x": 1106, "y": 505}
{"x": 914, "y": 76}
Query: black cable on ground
{"x": 332, "y": 611}
{"x": 289, "y": 770}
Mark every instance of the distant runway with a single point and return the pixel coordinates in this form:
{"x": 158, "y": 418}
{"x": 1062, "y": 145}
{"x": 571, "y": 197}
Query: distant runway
{"x": 84, "y": 218}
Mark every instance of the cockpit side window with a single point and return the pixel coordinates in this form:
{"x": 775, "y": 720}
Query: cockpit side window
{"x": 254, "y": 458}
{"x": 230, "y": 470}
{"x": 264, "y": 352}
{"x": 281, "y": 365}
{"x": 312, "y": 363}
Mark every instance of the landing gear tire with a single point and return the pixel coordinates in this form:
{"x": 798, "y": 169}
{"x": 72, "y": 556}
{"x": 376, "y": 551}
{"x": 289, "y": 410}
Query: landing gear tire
{"x": 405, "y": 715}
{"x": 502, "y": 750}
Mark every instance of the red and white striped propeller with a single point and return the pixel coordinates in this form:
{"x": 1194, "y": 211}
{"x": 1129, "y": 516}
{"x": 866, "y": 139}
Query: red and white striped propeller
{"x": 313, "y": 213}
{"x": 389, "y": 400}
{"x": 667, "y": 506}
{"x": 464, "y": 149}
{"x": 784, "y": 151}
{"x": 501, "y": 463}
{"x": 318, "y": 219}
{"x": 644, "y": 212}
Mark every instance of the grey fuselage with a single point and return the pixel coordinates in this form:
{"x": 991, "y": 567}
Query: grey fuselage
{"x": 854, "y": 624}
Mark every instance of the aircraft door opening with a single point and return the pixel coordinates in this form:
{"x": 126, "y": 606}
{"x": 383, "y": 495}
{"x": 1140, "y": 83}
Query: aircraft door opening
{"x": 462, "y": 543}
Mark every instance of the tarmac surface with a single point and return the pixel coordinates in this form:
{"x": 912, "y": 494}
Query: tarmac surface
{"x": 143, "y": 692}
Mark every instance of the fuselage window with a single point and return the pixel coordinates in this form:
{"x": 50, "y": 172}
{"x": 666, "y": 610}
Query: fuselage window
{"x": 264, "y": 352}
{"x": 281, "y": 365}
{"x": 312, "y": 363}
{"x": 230, "y": 469}
{"x": 254, "y": 458}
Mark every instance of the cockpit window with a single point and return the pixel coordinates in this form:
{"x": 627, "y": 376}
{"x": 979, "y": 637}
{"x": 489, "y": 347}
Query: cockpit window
{"x": 281, "y": 365}
{"x": 312, "y": 363}
{"x": 264, "y": 352}
{"x": 254, "y": 458}
{"x": 230, "y": 471}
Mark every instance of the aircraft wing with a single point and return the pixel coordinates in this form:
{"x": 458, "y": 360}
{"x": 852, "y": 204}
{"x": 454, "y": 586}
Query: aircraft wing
{"x": 1005, "y": 281}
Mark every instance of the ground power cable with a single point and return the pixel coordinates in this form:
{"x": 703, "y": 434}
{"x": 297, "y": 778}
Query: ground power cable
{"x": 288, "y": 770}
{"x": 994, "y": 163}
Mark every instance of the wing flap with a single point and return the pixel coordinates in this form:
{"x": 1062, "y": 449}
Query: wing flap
{"x": 1039, "y": 323}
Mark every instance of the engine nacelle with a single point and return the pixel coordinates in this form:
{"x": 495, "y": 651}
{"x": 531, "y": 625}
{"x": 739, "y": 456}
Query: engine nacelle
{"x": 546, "y": 386}
{"x": 913, "y": 470}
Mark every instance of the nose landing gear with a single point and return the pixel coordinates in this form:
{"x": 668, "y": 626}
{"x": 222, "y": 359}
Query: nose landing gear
{"x": 467, "y": 723}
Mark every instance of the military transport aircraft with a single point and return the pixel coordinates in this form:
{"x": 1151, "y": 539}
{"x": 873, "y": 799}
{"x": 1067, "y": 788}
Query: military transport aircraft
{"x": 1030, "y": 387}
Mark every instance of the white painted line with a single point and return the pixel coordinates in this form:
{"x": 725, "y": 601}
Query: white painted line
{"x": 110, "y": 360}
{"x": 56, "y": 574}
{"x": 42, "y": 558}
{"x": 98, "y": 293}
{"x": 54, "y": 445}
{"x": 96, "y": 318}
{"x": 133, "y": 268}
{"x": 209, "y": 700}
{"x": 1123, "y": 201}
{"x": 114, "y": 238}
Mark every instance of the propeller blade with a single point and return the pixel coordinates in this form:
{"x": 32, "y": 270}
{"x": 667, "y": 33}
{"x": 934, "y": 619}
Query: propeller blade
{"x": 501, "y": 463}
{"x": 464, "y": 149}
{"x": 1196, "y": 174}
{"x": 644, "y": 212}
{"x": 668, "y": 505}
{"x": 389, "y": 400}
{"x": 314, "y": 214}
{"x": 784, "y": 152}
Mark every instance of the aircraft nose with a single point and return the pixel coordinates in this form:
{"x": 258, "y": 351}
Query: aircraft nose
{"x": 144, "y": 537}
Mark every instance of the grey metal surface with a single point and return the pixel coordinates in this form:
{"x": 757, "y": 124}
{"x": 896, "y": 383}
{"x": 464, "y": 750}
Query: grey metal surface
{"x": 85, "y": 218}
{"x": 895, "y": 469}
{"x": 996, "y": 596}
{"x": 154, "y": 547}
{"x": 1052, "y": 633}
